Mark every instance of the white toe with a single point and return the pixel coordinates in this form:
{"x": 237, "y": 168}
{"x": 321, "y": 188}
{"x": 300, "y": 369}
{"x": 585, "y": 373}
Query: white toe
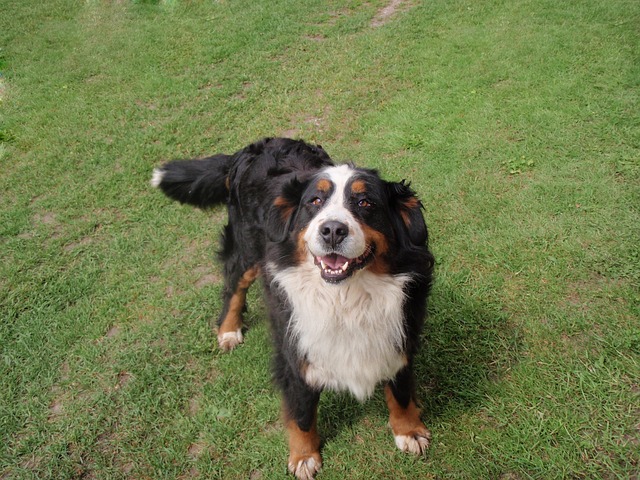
{"x": 229, "y": 340}
{"x": 306, "y": 469}
{"x": 417, "y": 444}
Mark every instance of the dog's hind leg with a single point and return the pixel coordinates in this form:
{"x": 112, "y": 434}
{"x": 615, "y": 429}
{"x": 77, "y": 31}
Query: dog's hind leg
{"x": 230, "y": 321}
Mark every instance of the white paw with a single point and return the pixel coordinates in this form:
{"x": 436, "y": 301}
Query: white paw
{"x": 306, "y": 468}
{"x": 230, "y": 340}
{"x": 416, "y": 443}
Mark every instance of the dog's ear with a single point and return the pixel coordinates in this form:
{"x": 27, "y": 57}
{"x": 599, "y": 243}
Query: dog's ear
{"x": 284, "y": 210}
{"x": 409, "y": 211}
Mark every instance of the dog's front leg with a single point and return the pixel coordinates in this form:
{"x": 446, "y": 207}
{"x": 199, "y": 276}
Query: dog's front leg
{"x": 409, "y": 433}
{"x": 300, "y": 406}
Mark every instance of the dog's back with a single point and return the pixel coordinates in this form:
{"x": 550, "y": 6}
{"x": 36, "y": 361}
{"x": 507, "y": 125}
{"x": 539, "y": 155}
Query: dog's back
{"x": 209, "y": 181}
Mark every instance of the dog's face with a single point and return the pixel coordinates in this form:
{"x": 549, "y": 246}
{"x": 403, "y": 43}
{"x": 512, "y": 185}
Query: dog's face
{"x": 346, "y": 219}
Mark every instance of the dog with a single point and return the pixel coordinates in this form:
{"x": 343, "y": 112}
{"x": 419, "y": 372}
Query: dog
{"x": 346, "y": 270}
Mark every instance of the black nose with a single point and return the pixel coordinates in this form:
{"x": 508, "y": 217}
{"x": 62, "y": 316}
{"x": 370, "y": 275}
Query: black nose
{"x": 333, "y": 232}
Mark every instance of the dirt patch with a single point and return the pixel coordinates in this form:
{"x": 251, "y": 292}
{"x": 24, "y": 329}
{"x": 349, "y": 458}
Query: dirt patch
{"x": 46, "y": 218}
{"x": 127, "y": 467}
{"x": 32, "y": 462}
{"x": 191, "y": 474}
{"x": 123, "y": 379}
{"x": 206, "y": 276}
{"x": 315, "y": 38}
{"x": 290, "y": 133}
{"x": 244, "y": 91}
{"x": 384, "y": 15}
{"x": 303, "y": 121}
{"x": 147, "y": 105}
{"x": 581, "y": 294}
{"x": 256, "y": 475}
{"x": 196, "y": 449}
{"x": 194, "y": 406}
{"x": 315, "y": 121}
{"x": 107, "y": 444}
{"x": 56, "y": 408}
{"x": 64, "y": 371}
{"x": 212, "y": 375}
{"x": 80, "y": 243}
{"x": 112, "y": 332}
{"x": 209, "y": 279}
{"x": 171, "y": 291}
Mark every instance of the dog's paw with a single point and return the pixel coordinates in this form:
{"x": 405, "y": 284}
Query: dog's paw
{"x": 416, "y": 441}
{"x": 305, "y": 468}
{"x": 229, "y": 340}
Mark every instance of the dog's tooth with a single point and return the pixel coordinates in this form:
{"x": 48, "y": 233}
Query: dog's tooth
{"x": 345, "y": 266}
{"x": 322, "y": 265}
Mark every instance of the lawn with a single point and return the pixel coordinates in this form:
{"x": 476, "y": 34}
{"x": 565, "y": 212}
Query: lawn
{"x": 518, "y": 123}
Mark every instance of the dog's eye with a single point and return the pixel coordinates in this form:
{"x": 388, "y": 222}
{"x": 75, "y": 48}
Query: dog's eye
{"x": 316, "y": 201}
{"x": 364, "y": 203}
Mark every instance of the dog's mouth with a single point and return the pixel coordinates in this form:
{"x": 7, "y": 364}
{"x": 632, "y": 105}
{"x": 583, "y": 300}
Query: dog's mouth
{"x": 335, "y": 268}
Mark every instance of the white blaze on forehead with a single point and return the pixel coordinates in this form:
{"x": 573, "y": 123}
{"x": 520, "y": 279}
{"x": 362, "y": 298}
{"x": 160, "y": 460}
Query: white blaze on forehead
{"x": 336, "y": 209}
{"x": 339, "y": 176}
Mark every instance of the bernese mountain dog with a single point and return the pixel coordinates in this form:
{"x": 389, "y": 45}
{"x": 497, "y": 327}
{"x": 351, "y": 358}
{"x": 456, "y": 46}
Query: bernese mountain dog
{"x": 346, "y": 271}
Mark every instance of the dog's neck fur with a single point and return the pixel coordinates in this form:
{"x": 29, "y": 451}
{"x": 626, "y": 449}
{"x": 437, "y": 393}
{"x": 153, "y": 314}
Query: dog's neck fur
{"x": 351, "y": 334}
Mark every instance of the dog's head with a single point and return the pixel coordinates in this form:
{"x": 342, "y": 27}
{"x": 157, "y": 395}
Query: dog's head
{"x": 346, "y": 219}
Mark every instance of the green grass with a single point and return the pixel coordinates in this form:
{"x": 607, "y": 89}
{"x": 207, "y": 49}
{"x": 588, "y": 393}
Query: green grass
{"x": 517, "y": 123}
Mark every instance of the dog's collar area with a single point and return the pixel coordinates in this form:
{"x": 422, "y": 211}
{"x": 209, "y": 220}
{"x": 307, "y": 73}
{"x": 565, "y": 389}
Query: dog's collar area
{"x": 335, "y": 268}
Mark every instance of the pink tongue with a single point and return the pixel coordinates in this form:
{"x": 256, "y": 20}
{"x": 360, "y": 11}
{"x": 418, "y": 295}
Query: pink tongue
{"x": 334, "y": 261}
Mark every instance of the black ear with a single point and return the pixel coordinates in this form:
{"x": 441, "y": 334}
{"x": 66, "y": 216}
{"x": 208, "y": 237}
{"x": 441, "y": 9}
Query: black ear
{"x": 285, "y": 210}
{"x": 408, "y": 208}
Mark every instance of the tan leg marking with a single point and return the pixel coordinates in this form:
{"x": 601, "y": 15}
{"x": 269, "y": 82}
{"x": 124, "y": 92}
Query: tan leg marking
{"x": 230, "y": 330}
{"x": 409, "y": 432}
{"x": 304, "y": 450}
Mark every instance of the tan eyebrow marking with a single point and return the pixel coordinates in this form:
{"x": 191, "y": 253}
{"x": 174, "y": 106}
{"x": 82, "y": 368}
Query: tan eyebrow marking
{"x": 324, "y": 185}
{"x": 359, "y": 186}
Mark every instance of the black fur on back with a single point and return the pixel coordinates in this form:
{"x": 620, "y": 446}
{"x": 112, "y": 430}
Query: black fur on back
{"x": 213, "y": 180}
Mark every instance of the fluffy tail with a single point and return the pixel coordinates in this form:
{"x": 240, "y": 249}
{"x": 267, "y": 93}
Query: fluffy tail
{"x": 202, "y": 183}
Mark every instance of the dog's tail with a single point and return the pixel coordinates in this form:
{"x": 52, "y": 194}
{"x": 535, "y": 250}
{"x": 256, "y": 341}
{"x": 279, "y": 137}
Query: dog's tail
{"x": 202, "y": 183}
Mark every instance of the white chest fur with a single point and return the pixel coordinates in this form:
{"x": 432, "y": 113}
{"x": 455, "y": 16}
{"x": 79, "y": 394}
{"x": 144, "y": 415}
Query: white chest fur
{"x": 352, "y": 333}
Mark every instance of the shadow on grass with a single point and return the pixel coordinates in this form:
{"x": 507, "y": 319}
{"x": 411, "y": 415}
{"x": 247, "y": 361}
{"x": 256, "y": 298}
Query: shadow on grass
{"x": 466, "y": 346}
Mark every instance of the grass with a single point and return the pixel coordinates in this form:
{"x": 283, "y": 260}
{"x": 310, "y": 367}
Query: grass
{"x": 517, "y": 123}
